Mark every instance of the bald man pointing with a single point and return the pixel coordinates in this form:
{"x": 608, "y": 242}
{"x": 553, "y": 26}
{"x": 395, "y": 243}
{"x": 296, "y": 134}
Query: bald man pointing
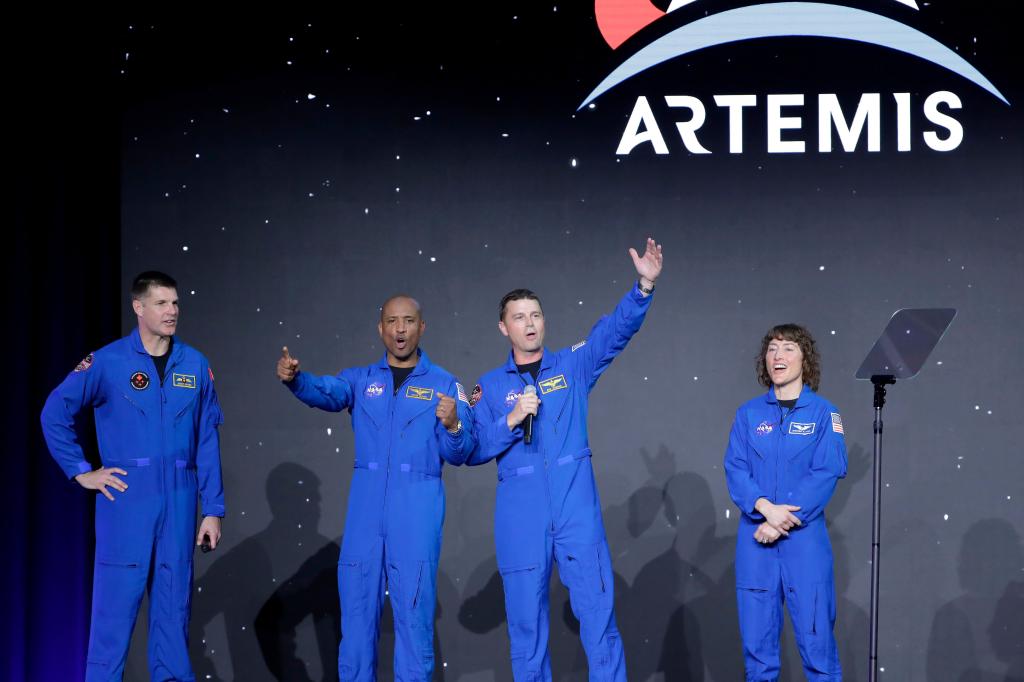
{"x": 409, "y": 417}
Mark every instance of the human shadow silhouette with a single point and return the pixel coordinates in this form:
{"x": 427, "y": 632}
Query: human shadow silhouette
{"x": 266, "y": 586}
{"x": 481, "y": 612}
{"x": 979, "y": 636}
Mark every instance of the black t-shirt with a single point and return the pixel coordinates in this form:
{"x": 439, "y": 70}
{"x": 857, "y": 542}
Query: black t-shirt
{"x": 161, "y": 361}
{"x": 533, "y": 368}
{"x": 788, "y": 404}
{"x": 400, "y": 374}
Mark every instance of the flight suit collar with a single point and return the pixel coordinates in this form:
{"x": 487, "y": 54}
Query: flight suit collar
{"x": 423, "y": 363}
{"x": 177, "y": 347}
{"x": 805, "y": 398}
{"x": 547, "y": 361}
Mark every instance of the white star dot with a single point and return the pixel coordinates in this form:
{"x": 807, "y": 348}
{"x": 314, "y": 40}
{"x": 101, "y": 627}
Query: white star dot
{"x": 184, "y": 248}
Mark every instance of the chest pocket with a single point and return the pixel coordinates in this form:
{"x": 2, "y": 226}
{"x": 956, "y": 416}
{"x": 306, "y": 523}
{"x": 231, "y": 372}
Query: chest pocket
{"x": 555, "y": 393}
{"x": 415, "y": 424}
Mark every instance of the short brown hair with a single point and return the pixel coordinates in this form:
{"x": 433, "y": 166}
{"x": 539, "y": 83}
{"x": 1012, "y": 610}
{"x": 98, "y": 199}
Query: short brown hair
{"x": 803, "y": 338}
{"x": 516, "y": 295}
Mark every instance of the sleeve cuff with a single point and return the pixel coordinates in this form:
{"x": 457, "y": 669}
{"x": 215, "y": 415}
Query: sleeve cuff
{"x": 213, "y": 510}
{"x": 78, "y": 468}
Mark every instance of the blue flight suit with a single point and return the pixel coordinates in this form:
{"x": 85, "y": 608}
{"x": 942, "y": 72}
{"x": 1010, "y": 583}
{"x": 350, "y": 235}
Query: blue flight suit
{"x": 795, "y": 458}
{"x": 395, "y": 507}
{"x": 165, "y": 437}
{"x": 547, "y": 502}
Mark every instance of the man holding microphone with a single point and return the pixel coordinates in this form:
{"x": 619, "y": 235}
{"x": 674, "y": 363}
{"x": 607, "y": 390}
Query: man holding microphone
{"x": 532, "y": 417}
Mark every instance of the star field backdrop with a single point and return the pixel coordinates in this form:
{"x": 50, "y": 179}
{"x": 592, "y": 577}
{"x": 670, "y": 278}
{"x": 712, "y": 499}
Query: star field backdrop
{"x": 293, "y": 170}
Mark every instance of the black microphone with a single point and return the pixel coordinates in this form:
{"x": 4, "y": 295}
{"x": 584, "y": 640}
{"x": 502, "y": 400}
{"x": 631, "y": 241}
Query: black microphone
{"x": 528, "y": 422}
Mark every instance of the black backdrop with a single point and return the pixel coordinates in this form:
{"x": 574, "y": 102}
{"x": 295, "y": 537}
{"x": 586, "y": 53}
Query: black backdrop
{"x": 314, "y": 163}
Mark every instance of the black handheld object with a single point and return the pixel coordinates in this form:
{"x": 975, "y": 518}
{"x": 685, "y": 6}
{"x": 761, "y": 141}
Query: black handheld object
{"x": 528, "y": 422}
{"x": 205, "y": 546}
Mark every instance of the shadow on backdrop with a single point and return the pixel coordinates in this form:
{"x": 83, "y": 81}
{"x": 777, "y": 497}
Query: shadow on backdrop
{"x": 267, "y": 586}
{"x": 985, "y": 623}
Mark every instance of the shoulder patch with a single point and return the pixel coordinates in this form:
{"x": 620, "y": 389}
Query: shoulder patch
{"x": 210, "y": 370}
{"x": 577, "y": 346}
{"x": 85, "y": 364}
{"x": 462, "y": 393}
{"x": 475, "y": 396}
{"x": 837, "y": 423}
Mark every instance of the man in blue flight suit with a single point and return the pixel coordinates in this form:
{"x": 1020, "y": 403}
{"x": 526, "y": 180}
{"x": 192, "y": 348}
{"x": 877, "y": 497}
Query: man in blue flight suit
{"x": 409, "y": 416}
{"x": 786, "y": 452}
{"x": 547, "y": 504}
{"x": 156, "y": 417}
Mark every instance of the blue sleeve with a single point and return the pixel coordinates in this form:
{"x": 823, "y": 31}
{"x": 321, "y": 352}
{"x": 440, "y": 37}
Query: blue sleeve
{"x": 492, "y": 434}
{"x": 330, "y": 393}
{"x": 743, "y": 489}
{"x": 610, "y": 334}
{"x": 456, "y": 449}
{"x": 79, "y": 390}
{"x": 828, "y": 465}
{"x": 211, "y": 485}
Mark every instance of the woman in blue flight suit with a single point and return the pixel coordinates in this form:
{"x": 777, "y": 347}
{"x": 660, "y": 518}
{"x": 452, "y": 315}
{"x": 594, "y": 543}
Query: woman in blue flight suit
{"x": 786, "y": 452}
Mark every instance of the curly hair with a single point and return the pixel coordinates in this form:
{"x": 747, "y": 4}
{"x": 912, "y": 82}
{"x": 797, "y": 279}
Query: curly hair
{"x": 803, "y": 338}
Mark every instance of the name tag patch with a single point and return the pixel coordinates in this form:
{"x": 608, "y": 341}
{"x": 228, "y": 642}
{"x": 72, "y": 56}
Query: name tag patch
{"x": 798, "y": 429}
{"x": 419, "y": 393}
{"x": 553, "y": 384}
{"x": 184, "y": 380}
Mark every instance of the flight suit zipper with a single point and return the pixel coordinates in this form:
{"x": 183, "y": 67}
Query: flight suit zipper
{"x": 547, "y": 478}
{"x": 391, "y": 441}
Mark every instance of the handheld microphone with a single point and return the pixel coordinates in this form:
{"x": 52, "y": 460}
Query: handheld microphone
{"x": 528, "y": 422}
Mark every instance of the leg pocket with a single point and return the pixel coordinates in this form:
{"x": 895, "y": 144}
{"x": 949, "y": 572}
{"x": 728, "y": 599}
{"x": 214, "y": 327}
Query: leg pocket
{"x": 523, "y": 607}
{"x": 587, "y": 573}
{"x": 352, "y": 585}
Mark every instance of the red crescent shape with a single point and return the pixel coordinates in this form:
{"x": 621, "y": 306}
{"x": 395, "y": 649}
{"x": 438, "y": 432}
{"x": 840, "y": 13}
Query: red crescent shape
{"x": 619, "y": 19}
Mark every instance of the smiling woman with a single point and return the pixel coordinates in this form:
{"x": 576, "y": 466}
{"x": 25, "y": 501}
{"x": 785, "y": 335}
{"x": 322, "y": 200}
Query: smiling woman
{"x": 786, "y": 452}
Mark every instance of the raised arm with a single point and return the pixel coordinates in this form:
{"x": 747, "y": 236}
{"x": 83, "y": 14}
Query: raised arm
{"x": 330, "y": 393}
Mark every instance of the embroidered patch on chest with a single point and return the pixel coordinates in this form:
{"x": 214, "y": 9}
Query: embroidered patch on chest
{"x": 798, "y": 429}
{"x": 374, "y": 390}
{"x": 764, "y": 428}
{"x": 419, "y": 393}
{"x": 140, "y": 381}
{"x": 553, "y": 384}
{"x": 184, "y": 380}
{"x": 511, "y": 397}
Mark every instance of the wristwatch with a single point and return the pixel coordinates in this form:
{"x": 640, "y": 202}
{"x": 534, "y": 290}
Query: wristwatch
{"x": 457, "y": 430}
{"x": 644, "y": 290}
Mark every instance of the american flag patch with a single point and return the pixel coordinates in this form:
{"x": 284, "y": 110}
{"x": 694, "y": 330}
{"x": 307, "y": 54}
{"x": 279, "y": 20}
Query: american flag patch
{"x": 462, "y": 393}
{"x": 837, "y": 423}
